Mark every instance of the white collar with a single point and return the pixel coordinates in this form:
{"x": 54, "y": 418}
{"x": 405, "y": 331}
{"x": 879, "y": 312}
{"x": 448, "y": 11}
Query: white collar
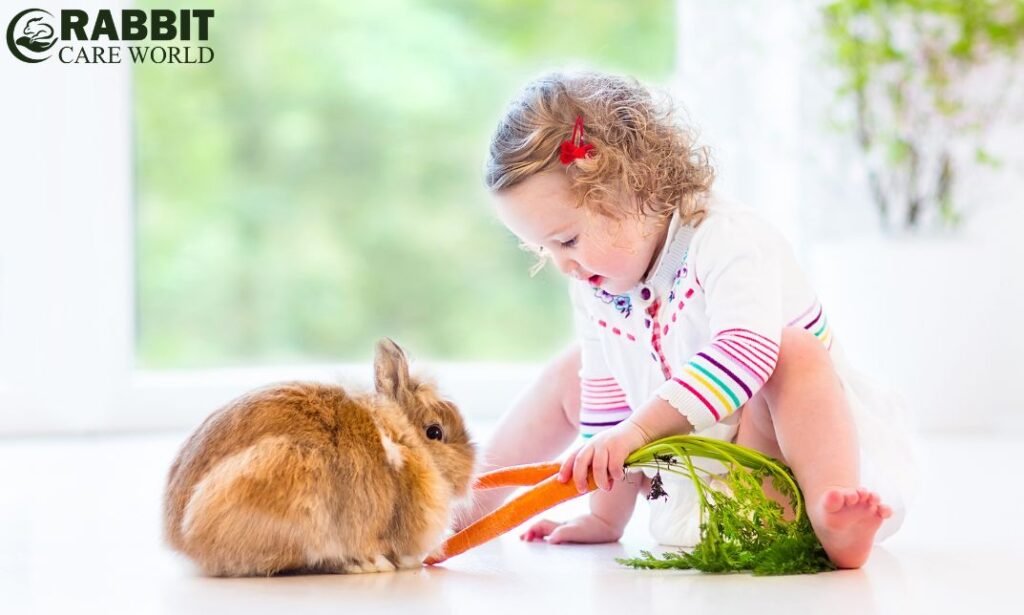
{"x": 659, "y": 280}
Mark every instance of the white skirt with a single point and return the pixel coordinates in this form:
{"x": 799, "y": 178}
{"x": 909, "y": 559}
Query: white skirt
{"x": 887, "y": 458}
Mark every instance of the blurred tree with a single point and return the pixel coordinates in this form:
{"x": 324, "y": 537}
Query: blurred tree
{"x": 318, "y": 185}
{"x": 924, "y": 78}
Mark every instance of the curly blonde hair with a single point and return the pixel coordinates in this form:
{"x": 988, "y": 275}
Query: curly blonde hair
{"x": 639, "y": 147}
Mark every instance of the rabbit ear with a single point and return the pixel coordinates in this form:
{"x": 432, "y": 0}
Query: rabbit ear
{"x": 390, "y": 369}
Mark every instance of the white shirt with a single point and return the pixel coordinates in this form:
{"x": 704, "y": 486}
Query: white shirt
{"x": 702, "y": 331}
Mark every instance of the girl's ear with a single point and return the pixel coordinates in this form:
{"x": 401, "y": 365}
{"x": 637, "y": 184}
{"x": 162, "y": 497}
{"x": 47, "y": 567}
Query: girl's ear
{"x": 390, "y": 370}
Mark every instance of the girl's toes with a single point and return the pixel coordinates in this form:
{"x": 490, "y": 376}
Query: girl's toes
{"x": 852, "y": 498}
{"x": 884, "y": 511}
{"x": 834, "y": 501}
{"x": 863, "y": 494}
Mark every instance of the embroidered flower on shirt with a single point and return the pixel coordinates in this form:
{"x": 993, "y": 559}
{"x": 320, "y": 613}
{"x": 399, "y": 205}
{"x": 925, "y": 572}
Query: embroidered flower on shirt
{"x": 683, "y": 271}
{"x": 620, "y": 302}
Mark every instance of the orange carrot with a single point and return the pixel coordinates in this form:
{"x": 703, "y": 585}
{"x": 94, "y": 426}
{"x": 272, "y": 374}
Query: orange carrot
{"x": 516, "y": 476}
{"x": 534, "y": 501}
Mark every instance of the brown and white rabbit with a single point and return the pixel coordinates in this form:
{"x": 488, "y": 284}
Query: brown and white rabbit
{"x": 304, "y": 476}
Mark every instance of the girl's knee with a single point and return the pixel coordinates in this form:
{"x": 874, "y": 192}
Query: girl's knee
{"x": 568, "y": 363}
{"x": 800, "y": 350}
{"x": 564, "y": 372}
{"x": 801, "y": 356}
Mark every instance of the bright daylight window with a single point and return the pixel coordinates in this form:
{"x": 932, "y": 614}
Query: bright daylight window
{"x": 319, "y": 184}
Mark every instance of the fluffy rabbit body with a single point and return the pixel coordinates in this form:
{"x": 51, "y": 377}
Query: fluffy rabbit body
{"x": 306, "y": 476}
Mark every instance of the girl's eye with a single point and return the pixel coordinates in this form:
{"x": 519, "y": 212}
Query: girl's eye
{"x": 570, "y": 243}
{"x": 434, "y": 432}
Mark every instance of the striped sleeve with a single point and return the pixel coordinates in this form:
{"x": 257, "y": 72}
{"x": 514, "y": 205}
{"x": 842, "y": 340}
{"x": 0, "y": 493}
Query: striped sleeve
{"x": 815, "y": 321}
{"x": 742, "y": 291}
{"x": 602, "y": 401}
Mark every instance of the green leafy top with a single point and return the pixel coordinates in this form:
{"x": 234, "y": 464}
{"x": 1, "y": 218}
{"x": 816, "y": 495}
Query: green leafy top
{"x": 741, "y": 529}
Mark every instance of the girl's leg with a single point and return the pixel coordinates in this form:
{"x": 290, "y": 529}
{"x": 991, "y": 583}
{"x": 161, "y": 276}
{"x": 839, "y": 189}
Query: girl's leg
{"x": 815, "y": 434}
{"x": 757, "y": 431}
{"x": 541, "y": 423}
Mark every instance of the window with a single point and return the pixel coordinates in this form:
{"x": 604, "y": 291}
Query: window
{"x": 319, "y": 184}
{"x": 172, "y": 235}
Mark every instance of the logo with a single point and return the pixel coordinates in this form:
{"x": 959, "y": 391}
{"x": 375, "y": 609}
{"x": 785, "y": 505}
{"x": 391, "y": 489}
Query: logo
{"x": 31, "y": 34}
{"x": 104, "y": 36}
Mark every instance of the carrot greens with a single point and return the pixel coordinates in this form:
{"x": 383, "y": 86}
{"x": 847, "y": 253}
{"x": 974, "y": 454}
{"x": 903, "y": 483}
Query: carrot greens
{"x": 742, "y": 529}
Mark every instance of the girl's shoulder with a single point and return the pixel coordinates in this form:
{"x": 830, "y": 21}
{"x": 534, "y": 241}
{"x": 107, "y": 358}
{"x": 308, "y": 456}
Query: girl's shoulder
{"x": 730, "y": 226}
{"x": 726, "y": 212}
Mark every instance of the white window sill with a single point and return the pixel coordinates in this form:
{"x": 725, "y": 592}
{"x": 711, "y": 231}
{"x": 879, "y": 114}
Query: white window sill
{"x": 181, "y": 399}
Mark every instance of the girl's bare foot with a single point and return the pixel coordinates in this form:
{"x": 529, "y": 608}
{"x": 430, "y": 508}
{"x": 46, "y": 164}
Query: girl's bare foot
{"x": 846, "y": 521}
{"x": 584, "y": 529}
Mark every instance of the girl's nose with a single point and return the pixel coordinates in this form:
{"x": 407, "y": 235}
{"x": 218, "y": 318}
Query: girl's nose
{"x": 568, "y": 266}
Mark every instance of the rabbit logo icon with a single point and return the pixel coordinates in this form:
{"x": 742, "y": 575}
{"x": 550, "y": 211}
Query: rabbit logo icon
{"x": 30, "y": 35}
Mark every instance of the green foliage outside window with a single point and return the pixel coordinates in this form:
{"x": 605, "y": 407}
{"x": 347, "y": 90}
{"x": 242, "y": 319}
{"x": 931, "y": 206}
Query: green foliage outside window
{"x": 318, "y": 185}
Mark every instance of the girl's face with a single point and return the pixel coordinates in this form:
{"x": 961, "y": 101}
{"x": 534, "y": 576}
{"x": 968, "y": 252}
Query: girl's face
{"x": 615, "y": 254}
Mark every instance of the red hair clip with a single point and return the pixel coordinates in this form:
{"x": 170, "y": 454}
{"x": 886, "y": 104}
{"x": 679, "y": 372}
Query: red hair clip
{"x": 574, "y": 148}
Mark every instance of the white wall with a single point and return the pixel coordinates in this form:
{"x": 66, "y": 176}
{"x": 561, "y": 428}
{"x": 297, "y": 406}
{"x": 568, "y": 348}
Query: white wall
{"x": 66, "y": 232}
{"x": 739, "y": 80}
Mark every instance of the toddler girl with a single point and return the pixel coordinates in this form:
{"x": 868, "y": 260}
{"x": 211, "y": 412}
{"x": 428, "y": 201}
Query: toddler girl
{"x": 692, "y": 317}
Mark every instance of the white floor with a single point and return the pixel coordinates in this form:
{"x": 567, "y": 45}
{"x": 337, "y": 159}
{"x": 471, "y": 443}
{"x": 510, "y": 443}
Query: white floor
{"x": 80, "y": 533}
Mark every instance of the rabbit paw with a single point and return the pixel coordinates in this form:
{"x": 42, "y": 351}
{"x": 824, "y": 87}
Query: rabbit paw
{"x": 377, "y": 564}
{"x": 407, "y": 562}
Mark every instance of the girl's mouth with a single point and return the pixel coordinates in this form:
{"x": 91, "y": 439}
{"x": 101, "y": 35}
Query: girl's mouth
{"x": 595, "y": 280}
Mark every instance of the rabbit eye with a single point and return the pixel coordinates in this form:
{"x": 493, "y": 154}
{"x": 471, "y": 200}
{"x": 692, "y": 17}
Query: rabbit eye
{"x": 434, "y": 432}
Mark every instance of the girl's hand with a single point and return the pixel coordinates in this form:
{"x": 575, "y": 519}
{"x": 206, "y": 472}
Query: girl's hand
{"x": 588, "y": 529}
{"x": 605, "y": 454}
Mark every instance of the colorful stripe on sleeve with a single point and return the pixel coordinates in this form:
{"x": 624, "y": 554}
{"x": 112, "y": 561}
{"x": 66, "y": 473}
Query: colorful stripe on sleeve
{"x": 602, "y": 405}
{"x": 722, "y": 376}
{"x": 814, "y": 320}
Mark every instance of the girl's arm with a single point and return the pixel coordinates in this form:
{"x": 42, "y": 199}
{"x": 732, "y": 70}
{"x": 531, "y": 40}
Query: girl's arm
{"x": 610, "y": 511}
{"x": 659, "y": 419}
{"x": 614, "y": 508}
